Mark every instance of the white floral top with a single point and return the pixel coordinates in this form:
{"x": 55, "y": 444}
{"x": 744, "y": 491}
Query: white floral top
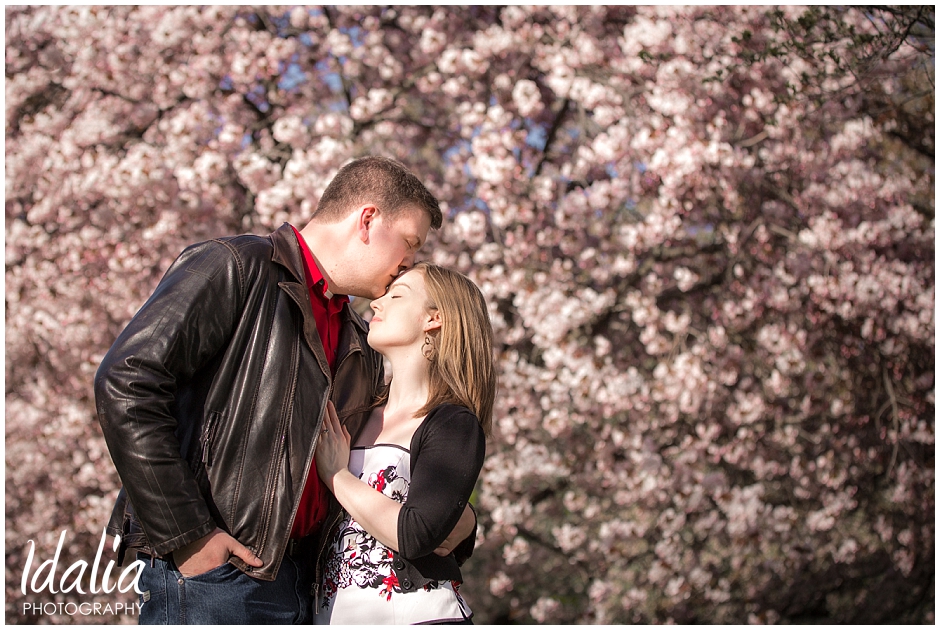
{"x": 360, "y": 585}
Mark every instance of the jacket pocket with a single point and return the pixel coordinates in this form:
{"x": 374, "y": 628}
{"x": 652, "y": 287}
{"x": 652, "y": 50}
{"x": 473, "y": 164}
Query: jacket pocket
{"x": 208, "y": 437}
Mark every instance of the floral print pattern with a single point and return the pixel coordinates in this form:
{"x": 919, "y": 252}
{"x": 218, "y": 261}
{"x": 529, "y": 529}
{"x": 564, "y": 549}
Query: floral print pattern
{"x": 358, "y": 558}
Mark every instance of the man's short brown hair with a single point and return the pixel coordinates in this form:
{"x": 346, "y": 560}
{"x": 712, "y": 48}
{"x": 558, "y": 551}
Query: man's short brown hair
{"x": 383, "y": 181}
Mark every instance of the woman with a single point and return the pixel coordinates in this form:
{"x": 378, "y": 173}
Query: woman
{"x": 406, "y": 481}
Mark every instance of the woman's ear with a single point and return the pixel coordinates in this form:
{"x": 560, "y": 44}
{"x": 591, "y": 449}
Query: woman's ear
{"x": 433, "y": 321}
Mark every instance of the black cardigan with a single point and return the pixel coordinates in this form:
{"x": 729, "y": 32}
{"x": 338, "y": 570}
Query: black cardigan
{"x": 447, "y": 453}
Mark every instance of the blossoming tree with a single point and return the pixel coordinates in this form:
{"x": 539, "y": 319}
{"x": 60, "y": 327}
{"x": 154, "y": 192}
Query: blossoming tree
{"x": 706, "y": 236}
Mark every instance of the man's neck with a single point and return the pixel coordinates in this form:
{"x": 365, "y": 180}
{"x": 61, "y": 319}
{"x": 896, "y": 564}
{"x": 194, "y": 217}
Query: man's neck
{"x": 316, "y": 236}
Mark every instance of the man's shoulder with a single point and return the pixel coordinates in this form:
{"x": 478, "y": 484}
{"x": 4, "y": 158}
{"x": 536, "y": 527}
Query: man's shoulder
{"x": 246, "y": 244}
{"x": 241, "y": 257}
{"x": 244, "y": 251}
{"x": 238, "y": 244}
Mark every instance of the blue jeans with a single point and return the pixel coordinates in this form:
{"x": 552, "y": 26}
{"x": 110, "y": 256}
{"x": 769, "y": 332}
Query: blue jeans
{"x": 223, "y": 595}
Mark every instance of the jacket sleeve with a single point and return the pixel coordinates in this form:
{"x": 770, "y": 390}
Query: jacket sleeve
{"x": 186, "y": 322}
{"x": 444, "y": 468}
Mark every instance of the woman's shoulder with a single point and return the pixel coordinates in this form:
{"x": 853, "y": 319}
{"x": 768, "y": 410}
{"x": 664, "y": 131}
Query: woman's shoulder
{"x": 451, "y": 409}
{"x": 449, "y": 419}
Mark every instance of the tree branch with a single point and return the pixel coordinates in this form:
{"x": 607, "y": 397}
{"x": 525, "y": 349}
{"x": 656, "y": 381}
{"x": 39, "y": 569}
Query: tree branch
{"x": 556, "y": 125}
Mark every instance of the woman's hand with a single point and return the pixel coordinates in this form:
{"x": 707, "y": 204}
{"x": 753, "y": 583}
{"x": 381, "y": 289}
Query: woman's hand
{"x": 332, "y": 454}
{"x": 463, "y": 529}
{"x": 375, "y": 512}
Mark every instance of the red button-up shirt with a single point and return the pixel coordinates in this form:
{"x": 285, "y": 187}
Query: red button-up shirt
{"x": 314, "y": 501}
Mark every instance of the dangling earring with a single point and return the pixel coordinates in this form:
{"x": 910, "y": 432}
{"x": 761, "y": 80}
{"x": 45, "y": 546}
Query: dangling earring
{"x": 428, "y": 348}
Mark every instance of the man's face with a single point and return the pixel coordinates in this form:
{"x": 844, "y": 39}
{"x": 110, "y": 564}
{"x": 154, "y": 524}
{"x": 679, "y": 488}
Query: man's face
{"x": 391, "y": 249}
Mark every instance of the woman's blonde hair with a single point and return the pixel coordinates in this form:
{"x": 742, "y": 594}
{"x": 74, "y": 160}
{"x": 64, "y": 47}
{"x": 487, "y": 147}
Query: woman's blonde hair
{"x": 463, "y": 367}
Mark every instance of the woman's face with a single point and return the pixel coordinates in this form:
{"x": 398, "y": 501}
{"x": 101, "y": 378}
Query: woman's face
{"x": 401, "y": 315}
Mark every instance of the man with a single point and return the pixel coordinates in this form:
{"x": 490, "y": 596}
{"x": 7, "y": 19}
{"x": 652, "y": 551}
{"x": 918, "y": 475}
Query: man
{"x": 212, "y": 399}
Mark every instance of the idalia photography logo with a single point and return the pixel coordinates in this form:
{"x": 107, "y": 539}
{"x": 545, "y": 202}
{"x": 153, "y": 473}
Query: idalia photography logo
{"x": 42, "y": 581}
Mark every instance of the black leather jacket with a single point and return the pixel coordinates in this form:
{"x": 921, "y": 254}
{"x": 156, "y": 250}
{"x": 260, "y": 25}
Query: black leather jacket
{"x": 212, "y": 398}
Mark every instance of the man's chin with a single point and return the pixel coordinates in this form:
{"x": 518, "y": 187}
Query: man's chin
{"x": 366, "y": 294}
{"x": 369, "y": 293}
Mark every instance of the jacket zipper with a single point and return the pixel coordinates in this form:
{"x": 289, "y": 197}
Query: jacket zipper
{"x": 208, "y": 436}
{"x": 280, "y": 452}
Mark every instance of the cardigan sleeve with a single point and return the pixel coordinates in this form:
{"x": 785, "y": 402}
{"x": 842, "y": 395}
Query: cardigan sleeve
{"x": 446, "y": 458}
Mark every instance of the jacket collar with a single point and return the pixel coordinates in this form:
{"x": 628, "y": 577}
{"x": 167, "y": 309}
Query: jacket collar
{"x": 287, "y": 251}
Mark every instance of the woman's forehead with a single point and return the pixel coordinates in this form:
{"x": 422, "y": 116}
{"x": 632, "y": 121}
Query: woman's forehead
{"x": 408, "y": 280}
